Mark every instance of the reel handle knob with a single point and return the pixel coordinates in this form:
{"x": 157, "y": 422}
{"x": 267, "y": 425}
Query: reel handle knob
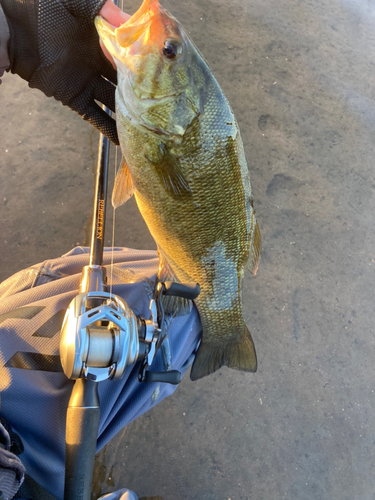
{"x": 172, "y": 377}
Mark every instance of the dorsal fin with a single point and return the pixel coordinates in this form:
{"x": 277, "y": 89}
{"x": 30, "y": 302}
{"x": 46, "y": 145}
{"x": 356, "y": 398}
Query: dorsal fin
{"x": 123, "y": 188}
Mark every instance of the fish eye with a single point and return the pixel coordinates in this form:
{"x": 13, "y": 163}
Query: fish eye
{"x": 171, "y": 49}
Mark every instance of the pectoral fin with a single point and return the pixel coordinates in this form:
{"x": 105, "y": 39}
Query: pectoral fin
{"x": 123, "y": 188}
{"x": 171, "y": 174}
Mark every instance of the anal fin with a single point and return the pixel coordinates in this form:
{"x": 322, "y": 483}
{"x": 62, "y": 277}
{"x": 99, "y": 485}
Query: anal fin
{"x": 173, "y": 306}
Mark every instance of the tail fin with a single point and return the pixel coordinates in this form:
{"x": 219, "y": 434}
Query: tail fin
{"x": 238, "y": 354}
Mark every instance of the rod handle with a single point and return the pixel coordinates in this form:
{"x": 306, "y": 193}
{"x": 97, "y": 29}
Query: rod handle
{"x": 82, "y": 424}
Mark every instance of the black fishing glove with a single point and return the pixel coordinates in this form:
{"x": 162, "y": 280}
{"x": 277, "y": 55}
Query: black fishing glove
{"x": 55, "y": 47}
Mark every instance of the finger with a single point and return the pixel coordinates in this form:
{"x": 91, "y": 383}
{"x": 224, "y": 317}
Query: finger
{"x": 100, "y": 120}
{"x": 113, "y": 14}
{"x": 103, "y": 122}
{"x": 104, "y": 92}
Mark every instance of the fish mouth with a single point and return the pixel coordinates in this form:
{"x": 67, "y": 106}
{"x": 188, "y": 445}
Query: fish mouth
{"x": 131, "y": 30}
{"x": 128, "y": 33}
{"x": 145, "y": 12}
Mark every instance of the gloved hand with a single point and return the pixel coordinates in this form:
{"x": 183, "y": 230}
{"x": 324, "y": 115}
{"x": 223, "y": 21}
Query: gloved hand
{"x": 55, "y": 47}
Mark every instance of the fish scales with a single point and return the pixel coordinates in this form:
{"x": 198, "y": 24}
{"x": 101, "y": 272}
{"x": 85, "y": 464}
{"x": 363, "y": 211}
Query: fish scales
{"x": 184, "y": 154}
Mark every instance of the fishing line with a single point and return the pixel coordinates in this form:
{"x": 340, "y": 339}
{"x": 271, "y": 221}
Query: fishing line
{"x": 113, "y": 230}
{"x": 114, "y": 209}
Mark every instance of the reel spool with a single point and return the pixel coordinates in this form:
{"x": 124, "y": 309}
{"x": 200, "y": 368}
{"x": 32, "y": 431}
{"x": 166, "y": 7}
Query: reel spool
{"x": 99, "y": 343}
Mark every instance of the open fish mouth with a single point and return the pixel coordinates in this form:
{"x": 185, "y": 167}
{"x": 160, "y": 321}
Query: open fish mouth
{"x": 128, "y": 33}
{"x": 137, "y": 24}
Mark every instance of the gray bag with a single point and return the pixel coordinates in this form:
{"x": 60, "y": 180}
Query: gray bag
{"x": 34, "y": 390}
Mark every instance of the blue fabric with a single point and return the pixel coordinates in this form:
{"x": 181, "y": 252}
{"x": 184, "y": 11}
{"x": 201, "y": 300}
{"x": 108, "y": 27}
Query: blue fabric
{"x": 12, "y": 471}
{"x": 35, "y": 402}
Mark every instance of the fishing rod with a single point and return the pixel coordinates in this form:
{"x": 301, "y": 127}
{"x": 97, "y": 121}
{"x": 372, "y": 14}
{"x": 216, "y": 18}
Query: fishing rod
{"x": 100, "y": 338}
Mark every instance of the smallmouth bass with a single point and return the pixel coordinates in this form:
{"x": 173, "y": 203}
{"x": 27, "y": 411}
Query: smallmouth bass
{"x": 185, "y": 164}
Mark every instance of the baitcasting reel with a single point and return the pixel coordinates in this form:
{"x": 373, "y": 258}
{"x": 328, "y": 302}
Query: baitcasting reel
{"x": 101, "y": 336}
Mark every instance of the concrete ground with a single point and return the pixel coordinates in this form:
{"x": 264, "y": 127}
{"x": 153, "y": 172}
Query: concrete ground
{"x": 299, "y": 76}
